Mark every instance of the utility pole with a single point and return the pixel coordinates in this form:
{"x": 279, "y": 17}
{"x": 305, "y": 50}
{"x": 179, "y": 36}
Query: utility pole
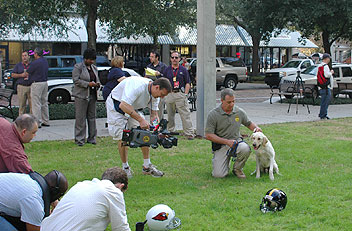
{"x": 206, "y": 54}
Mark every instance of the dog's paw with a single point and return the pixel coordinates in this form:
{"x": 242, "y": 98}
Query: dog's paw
{"x": 271, "y": 177}
{"x": 257, "y": 177}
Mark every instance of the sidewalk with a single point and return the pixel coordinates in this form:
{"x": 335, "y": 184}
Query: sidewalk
{"x": 259, "y": 113}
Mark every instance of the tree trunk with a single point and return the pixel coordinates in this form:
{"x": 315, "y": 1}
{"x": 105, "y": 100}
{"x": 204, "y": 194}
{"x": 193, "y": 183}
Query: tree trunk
{"x": 255, "y": 58}
{"x": 92, "y": 6}
{"x": 155, "y": 42}
{"x": 326, "y": 43}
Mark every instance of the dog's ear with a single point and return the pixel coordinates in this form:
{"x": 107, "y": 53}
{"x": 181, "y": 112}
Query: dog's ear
{"x": 265, "y": 140}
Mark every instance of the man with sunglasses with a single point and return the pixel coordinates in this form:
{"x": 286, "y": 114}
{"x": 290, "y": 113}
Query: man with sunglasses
{"x": 25, "y": 198}
{"x": 177, "y": 99}
{"x": 92, "y": 205}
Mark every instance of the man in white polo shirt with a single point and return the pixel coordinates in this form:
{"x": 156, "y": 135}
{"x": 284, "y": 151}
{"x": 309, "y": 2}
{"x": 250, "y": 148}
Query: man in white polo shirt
{"x": 92, "y": 205}
{"x": 124, "y": 110}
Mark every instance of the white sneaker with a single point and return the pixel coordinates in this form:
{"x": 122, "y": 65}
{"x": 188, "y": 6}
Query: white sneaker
{"x": 128, "y": 171}
{"x": 152, "y": 170}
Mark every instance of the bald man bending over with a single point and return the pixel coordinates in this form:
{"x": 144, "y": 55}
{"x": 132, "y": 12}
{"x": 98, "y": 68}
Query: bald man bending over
{"x": 12, "y": 137}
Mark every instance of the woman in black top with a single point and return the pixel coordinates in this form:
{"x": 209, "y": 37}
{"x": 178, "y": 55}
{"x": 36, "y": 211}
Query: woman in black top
{"x": 115, "y": 76}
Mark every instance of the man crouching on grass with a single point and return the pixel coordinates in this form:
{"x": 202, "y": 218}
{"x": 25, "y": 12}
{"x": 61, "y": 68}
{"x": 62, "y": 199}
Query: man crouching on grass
{"x": 124, "y": 108}
{"x": 92, "y": 204}
{"x": 223, "y": 129}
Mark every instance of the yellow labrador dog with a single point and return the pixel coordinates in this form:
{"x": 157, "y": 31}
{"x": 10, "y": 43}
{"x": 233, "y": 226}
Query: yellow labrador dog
{"x": 265, "y": 155}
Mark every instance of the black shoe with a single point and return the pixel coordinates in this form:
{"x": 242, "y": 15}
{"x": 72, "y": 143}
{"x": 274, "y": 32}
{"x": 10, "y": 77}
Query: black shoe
{"x": 94, "y": 143}
{"x": 327, "y": 118}
{"x": 45, "y": 125}
{"x": 80, "y": 144}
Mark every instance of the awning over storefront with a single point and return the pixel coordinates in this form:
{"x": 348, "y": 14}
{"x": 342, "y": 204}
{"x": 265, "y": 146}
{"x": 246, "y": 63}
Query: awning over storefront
{"x": 226, "y": 35}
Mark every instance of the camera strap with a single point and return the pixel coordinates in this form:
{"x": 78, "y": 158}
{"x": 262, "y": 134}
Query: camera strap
{"x": 45, "y": 189}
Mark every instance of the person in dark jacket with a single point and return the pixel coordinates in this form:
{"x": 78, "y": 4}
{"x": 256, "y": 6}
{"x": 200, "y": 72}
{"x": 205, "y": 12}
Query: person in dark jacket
{"x": 115, "y": 76}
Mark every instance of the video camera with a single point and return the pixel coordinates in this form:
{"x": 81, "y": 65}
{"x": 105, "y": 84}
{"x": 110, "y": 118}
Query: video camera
{"x": 158, "y": 135}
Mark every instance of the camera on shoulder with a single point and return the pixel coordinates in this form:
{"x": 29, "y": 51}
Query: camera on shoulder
{"x": 158, "y": 135}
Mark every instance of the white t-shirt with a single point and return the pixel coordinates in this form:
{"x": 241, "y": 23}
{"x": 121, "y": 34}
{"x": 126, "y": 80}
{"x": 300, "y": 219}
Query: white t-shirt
{"x": 90, "y": 206}
{"x": 21, "y": 196}
{"x": 135, "y": 91}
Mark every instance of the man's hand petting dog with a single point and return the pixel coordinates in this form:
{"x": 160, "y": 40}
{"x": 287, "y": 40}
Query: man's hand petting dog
{"x": 264, "y": 155}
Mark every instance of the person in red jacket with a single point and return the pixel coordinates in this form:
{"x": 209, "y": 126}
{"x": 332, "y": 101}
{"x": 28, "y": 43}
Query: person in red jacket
{"x": 12, "y": 137}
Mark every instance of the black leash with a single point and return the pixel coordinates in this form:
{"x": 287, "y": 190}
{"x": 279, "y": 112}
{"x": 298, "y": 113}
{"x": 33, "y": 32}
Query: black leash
{"x": 232, "y": 151}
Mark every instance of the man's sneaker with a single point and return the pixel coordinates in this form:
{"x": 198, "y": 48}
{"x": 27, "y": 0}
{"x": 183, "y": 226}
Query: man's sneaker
{"x": 152, "y": 170}
{"x": 128, "y": 171}
{"x": 190, "y": 137}
{"x": 239, "y": 173}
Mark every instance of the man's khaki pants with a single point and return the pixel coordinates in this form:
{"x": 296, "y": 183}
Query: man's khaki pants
{"x": 221, "y": 162}
{"x": 24, "y": 94}
{"x": 39, "y": 95}
{"x": 178, "y": 101}
{"x": 161, "y": 108}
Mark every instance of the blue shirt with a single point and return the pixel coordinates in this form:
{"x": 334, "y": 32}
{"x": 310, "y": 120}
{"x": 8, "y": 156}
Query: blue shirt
{"x": 114, "y": 74}
{"x": 38, "y": 70}
{"x": 182, "y": 76}
{"x": 21, "y": 196}
{"x": 19, "y": 69}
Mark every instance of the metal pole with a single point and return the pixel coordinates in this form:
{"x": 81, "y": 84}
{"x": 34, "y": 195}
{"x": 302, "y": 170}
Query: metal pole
{"x": 206, "y": 54}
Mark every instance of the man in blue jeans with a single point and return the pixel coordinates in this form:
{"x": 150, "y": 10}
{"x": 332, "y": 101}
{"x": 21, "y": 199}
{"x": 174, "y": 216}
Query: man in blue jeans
{"x": 325, "y": 92}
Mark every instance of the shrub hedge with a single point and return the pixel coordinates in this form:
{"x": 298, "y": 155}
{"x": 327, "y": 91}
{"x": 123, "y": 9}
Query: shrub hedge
{"x": 317, "y": 101}
{"x": 64, "y": 111}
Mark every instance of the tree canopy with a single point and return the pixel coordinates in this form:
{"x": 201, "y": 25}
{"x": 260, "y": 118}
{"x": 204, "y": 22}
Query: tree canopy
{"x": 25, "y": 15}
{"x": 150, "y": 17}
{"x": 329, "y": 20}
{"x": 123, "y": 18}
{"x": 258, "y": 17}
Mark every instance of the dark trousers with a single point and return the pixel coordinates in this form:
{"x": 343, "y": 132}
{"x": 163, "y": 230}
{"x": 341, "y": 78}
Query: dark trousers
{"x": 325, "y": 101}
{"x": 85, "y": 110}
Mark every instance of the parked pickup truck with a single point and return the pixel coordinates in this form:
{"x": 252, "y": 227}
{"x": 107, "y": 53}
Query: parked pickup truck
{"x": 229, "y": 71}
{"x": 342, "y": 73}
{"x": 273, "y": 76}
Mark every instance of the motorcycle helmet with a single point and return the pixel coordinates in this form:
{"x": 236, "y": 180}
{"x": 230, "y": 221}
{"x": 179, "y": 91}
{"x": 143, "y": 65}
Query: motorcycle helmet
{"x": 274, "y": 200}
{"x": 162, "y": 217}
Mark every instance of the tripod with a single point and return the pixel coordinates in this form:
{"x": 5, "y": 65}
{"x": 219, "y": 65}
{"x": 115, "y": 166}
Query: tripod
{"x": 299, "y": 90}
{"x": 192, "y": 98}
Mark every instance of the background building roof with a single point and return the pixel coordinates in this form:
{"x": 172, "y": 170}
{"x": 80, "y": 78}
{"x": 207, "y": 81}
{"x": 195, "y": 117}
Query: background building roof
{"x": 226, "y": 35}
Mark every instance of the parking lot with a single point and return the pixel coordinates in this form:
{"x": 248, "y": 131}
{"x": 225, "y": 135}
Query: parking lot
{"x": 245, "y": 93}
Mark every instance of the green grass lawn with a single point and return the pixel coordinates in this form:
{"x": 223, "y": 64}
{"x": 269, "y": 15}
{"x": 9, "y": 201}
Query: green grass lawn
{"x": 314, "y": 158}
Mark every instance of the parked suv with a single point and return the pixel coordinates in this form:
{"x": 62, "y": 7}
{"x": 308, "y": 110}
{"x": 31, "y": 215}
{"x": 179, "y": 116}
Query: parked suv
{"x": 60, "y": 67}
{"x": 273, "y": 76}
{"x": 229, "y": 71}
